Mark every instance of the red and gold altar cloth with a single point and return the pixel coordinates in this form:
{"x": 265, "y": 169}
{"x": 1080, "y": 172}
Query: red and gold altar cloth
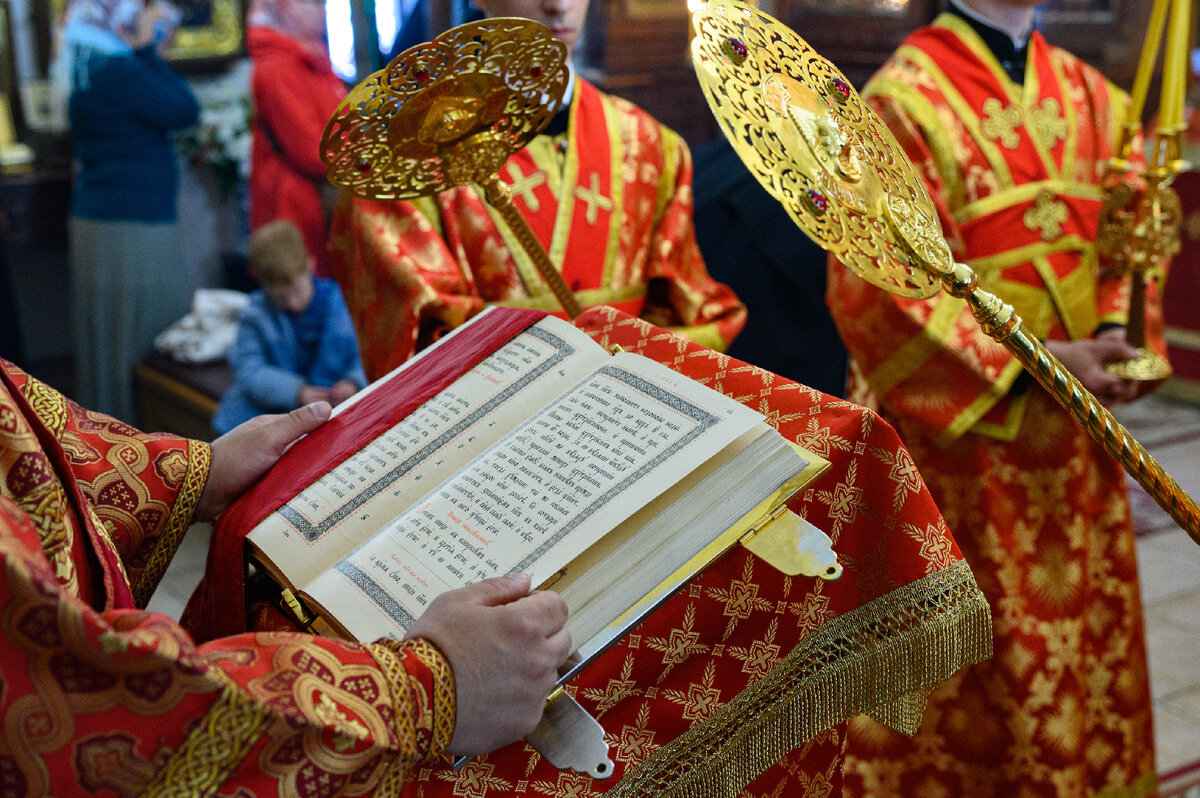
{"x": 1039, "y": 509}
{"x": 100, "y": 697}
{"x": 739, "y": 683}
{"x": 610, "y": 201}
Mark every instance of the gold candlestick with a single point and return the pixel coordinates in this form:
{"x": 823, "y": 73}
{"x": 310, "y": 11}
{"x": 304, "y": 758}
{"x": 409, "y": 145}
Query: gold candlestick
{"x": 806, "y": 135}
{"x": 1139, "y": 231}
{"x": 450, "y": 112}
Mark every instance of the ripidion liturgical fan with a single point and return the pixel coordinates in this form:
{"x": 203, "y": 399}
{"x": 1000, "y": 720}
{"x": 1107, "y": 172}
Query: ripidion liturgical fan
{"x": 805, "y": 134}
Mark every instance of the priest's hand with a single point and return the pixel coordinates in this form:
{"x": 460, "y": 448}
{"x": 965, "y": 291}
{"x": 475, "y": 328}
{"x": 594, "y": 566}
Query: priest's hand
{"x": 505, "y": 645}
{"x": 242, "y": 455}
{"x": 1086, "y": 358}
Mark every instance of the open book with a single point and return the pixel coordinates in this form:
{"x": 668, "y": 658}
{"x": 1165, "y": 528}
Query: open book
{"x": 607, "y": 476}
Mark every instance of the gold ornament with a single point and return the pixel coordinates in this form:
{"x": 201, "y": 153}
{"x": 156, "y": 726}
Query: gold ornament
{"x": 807, "y": 137}
{"x": 801, "y": 128}
{"x": 450, "y": 112}
{"x": 1139, "y": 230}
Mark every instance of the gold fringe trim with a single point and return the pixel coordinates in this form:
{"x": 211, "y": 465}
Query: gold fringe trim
{"x": 199, "y": 463}
{"x": 879, "y": 658}
{"x": 213, "y": 750}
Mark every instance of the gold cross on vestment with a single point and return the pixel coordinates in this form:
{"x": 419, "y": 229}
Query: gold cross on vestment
{"x": 1048, "y": 121}
{"x": 1046, "y": 215}
{"x": 1000, "y": 123}
{"x": 594, "y": 199}
{"x": 524, "y": 185}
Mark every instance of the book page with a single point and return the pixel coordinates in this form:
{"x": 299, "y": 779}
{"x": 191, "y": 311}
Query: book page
{"x": 352, "y": 501}
{"x": 539, "y": 497}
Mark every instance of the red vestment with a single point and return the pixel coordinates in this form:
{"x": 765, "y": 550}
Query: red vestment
{"x": 99, "y": 696}
{"x": 743, "y": 678}
{"x": 294, "y": 92}
{"x": 411, "y": 270}
{"x": 1039, "y": 509}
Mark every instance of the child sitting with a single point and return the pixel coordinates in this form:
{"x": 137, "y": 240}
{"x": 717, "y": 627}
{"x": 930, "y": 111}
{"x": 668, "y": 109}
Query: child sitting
{"x": 295, "y": 342}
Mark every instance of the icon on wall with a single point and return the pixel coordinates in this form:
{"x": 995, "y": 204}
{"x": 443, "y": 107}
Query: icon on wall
{"x": 210, "y": 29}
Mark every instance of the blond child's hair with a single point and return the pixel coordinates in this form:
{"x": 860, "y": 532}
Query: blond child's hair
{"x": 276, "y": 253}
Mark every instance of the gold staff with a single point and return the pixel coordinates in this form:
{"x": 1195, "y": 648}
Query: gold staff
{"x": 1139, "y": 231}
{"x": 841, "y": 175}
{"x": 450, "y": 112}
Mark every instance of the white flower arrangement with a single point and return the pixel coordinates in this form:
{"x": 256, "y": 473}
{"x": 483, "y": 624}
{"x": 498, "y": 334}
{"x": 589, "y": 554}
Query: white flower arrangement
{"x": 220, "y": 141}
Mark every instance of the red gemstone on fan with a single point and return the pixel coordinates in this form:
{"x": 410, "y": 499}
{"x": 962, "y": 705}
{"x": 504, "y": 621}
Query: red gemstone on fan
{"x": 363, "y": 165}
{"x": 841, "y": 87}
{"x": 536, "y": 71}
{"x": 736, "y": 50}
{"x": 817, "y": 201}
{"x": 422, "y": 75}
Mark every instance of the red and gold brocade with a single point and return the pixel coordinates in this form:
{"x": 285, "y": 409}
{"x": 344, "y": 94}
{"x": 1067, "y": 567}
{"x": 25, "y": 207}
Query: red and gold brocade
{"x": 740, "y": 683}
{"x": 412, "y": 270}
{"x": 1039, "y": 509}
{"x": 99, "y": 696}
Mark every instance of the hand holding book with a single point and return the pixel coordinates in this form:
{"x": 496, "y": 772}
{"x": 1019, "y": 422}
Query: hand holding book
{"x": 610, "y": 477}
{"x": 506, "y": 646}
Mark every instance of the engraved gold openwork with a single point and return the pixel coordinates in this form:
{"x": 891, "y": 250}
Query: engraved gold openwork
{"x": 450, "y": 112}
{"x": 807, "y": 137}
{"x": 805, "y": 134}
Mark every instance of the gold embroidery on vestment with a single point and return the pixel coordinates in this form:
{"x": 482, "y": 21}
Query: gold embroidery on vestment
{"x": 522, "y": 185}
{"x": 592, "y": 197}
{"x": 1047, "y": 216}
{"x": 1000, "y": 123}
{"x": 1048, "y": 122}
{"x": 863, "y": 660}
{"x": 214, "y": 749}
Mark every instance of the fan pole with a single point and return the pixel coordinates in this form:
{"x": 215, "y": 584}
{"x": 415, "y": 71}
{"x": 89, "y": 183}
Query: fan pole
{"x": 499, "y": 197}
{"x": 1002, "y": 323}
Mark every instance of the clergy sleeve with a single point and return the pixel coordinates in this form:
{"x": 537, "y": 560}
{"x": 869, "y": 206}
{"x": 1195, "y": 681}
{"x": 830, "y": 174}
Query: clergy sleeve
{"x": 121, "y": 702}
{"x": 402, "y": 285}
{"x": 142, "y": 488}
{"x": 681, "y": 295}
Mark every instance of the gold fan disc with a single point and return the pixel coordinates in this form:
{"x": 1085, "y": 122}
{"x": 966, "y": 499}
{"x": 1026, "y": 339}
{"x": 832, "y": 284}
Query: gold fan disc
{"x": 447, "y": 112}
{"x": 807, "y": 137}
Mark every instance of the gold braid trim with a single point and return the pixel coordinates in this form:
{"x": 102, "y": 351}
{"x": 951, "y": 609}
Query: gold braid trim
{"x": 707, "y": 335}
{"x": 389, "y": 655}
{"x": 881, "y": 657}
{"x": 199, "y": 464}
{"x": 592, "y": 296}
{"x": 213, "y": 750}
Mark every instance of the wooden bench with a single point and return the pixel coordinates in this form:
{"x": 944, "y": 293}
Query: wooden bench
{"x": 179, "y": 397}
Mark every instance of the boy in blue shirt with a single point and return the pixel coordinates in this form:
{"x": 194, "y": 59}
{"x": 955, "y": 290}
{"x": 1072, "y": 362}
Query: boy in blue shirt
{"x": 295, "y": 342}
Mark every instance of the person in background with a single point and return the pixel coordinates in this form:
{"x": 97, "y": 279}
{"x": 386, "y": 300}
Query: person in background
{"x": 127, "y": 278}
{"x": 1011, "y": 136}
{"x": 295, "y": 342}
{"x": 752, "y": 245}
{"x": 294, "y": 91}
{"x": 111, "y": 699}
{"x": 607, "y": 191}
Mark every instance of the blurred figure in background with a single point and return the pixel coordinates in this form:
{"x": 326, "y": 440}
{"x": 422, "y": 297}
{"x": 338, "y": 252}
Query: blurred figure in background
{"x": 751, "y": 245}
{"x": 126, "y": 269}
{"x": 294, "y": 91}
{"x": 295, "y": 342}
